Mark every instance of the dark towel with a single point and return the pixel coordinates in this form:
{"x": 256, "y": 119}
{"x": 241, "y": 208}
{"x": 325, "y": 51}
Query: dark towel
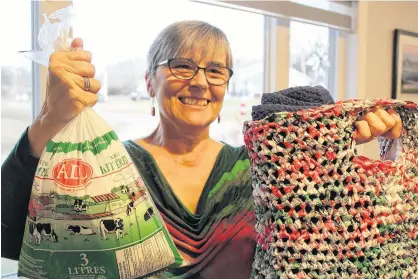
{"x": 292, "y": 99}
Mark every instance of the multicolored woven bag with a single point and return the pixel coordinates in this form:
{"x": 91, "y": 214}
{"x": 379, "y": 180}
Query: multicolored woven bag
{"x": 322, "y": 210}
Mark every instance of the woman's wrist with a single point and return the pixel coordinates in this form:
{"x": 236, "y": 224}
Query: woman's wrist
{"x": 40, "y": 132}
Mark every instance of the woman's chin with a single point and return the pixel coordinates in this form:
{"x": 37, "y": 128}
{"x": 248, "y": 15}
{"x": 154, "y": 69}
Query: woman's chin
{"x": 197, "y": 121}
{"x": 195, "y": 116}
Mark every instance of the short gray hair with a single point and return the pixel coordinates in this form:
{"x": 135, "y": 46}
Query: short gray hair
{"x": 188, "y": 37}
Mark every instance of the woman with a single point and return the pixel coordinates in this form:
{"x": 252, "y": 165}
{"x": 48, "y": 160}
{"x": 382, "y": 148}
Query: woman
{"x": 201, "y": 186}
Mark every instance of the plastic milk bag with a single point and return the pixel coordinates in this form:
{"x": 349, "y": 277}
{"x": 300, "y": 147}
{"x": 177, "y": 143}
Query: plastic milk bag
{"x": 90, "y": 214}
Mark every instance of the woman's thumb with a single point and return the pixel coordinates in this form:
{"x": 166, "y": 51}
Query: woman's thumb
{"x": 77, "y": 44}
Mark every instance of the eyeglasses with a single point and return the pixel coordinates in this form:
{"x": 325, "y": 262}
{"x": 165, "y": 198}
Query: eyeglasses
{"x": 186, "y": 69}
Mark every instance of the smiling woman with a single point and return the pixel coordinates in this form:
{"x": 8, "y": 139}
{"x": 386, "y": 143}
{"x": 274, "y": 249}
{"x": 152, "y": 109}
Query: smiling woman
{"x": 121, "y": 62}
{"x": 201, "y": 186}
{"x": 188, "y": 74}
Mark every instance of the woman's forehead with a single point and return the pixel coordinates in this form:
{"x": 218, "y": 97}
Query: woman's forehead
{"x": 204, "y": 54}
{"x": 205, "y": 58}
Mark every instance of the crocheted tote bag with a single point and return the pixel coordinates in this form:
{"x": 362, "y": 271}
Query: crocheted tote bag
{"x": 325, "y": 212}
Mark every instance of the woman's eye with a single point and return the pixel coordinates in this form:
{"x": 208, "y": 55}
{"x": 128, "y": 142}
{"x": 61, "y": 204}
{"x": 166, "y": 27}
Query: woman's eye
{"x": 183, "y": 66}
{"x": 214, "y": 71}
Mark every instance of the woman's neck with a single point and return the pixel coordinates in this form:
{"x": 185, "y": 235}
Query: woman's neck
{"x": 185, "y": 146}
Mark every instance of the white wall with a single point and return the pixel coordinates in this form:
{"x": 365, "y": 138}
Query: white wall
{"x": 375, "y": 25}
{"x": 384, "y": 17}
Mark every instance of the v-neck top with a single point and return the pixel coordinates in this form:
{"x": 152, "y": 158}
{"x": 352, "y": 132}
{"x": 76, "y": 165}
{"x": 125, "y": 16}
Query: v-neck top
{"x": 213, "y": 177}
{"x": 218, "y": 241}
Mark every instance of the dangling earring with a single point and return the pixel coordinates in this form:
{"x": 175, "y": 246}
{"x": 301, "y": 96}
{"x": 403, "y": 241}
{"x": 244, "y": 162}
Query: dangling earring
{"x": 153, "y": 107}
{"x": 219, "y": 118}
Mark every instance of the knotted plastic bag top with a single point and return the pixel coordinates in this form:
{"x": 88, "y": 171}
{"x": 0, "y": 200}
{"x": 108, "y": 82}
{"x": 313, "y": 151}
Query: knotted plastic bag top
{"x": 54, "y": 35}
{"x": 322, "y": 210}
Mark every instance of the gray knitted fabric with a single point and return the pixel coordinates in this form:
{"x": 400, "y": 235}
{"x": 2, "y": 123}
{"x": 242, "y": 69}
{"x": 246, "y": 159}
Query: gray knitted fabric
{"x": 292, "y": 99}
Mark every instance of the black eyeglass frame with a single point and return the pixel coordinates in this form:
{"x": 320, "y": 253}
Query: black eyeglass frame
{"x": 168, "y": 61}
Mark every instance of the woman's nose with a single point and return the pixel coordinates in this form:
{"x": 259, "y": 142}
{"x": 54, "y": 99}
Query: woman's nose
{"x": 199, "y": 79}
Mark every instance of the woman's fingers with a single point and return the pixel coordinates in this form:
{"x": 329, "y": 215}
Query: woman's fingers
{"x": 89, "y": 99}
{"x": 376, "y": 125}
{"x": 80, "y": 55}
{"x": 378, "y": 122}
{"x": 396, "y": 130}
{"x": 80, "y": 96}
{"x": 76, "y": 62}
{"x": 368, "y": 127}
{"x": 82, "y": 68}
{"x": 94, "y": 84}
{"x": 77, "y": 43}
{"x": 385, "y": 117}
{"x": 363, "y": 133}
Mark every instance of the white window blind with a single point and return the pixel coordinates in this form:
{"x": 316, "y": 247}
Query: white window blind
{"x": 331, "y": 14}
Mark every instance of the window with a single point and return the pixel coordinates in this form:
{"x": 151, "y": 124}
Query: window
{"x": 119, "y": 38}
{"x": 16, "y": 71}
{"x": 310, "y": 55}
{"x": 16, "y": 85}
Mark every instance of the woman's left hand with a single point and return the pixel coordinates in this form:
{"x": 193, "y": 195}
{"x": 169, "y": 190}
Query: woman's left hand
{"x": 378, "y": 122}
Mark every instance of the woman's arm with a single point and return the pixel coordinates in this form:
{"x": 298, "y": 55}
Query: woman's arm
{"x": 66, "y": 97}
{"x": 17, "y": 174}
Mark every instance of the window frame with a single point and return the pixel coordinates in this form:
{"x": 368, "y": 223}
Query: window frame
{"x": 333, "y": 74}
{"x": 36, "y": 68}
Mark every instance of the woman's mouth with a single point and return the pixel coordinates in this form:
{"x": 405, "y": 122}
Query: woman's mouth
{"x": 194, "y": 101}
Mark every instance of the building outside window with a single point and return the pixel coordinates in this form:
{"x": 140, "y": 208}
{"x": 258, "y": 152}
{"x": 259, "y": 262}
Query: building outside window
{"x": 310, "y": 57}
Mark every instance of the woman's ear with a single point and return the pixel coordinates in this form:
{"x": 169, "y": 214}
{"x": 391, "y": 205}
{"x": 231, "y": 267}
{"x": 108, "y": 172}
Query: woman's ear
{"x": 149, "y": 86}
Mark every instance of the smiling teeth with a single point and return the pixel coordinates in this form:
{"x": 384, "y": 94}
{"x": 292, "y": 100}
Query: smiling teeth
{"x": 193, "y": 101}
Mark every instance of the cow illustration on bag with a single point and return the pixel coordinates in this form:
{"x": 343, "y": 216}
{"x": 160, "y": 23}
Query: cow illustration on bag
{"x": 148, "y": 214}
{"x": 37, "y": 230}
{"x": 111, "y": 226}
{"x": 79, "y": 230}
{"x": 79, "y": 206}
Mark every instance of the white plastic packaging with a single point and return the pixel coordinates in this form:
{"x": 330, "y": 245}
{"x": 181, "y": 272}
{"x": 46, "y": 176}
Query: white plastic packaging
{"x": 53, "y": 35}
{"x": 90, "y": 214}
